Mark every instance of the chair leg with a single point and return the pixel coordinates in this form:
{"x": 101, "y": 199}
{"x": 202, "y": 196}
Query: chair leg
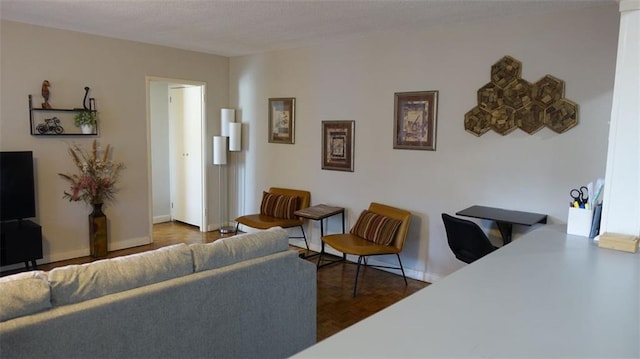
{"x": 355, "y": 282}
{"x": 305, "y": 237}
{"x": 402, "y": 269}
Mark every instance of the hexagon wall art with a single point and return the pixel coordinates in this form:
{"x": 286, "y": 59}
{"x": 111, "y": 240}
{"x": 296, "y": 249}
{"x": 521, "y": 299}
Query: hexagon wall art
{"x": 509, "y": 102}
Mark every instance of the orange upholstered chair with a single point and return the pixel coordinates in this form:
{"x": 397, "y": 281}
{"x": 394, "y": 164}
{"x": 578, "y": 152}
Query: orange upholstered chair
{"x": 380, "y": 230}
{"x": 276, "y": 210}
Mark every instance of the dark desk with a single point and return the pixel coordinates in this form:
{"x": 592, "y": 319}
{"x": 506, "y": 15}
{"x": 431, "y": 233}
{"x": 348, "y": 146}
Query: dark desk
{"x": 504, "y": 218}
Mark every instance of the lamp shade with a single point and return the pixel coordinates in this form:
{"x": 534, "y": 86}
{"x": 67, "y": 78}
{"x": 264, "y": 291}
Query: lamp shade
{"x": 235, "y": 136}
{"x": 219, "y": 150}
{"x": 227, "y": 116}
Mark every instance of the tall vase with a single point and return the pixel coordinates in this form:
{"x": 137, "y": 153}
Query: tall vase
{"x": 98, "y": 231}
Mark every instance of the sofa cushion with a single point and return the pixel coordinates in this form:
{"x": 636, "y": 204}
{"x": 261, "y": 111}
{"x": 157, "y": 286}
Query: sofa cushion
{"x": 24, "y": 293}
{"x": 376, "y": 227}
{"x": 227, "y": 251}
{"x": 279, "y": 205}
{"x": 77, "y": 283}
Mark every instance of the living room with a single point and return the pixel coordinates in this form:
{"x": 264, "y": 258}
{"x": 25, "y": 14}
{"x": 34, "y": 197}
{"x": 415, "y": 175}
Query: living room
{"x": 350, "y": 78}
{"x": 343, "y": 78}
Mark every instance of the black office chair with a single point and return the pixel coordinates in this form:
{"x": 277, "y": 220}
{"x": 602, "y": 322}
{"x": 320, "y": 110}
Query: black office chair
{"x": 466, "y": 239}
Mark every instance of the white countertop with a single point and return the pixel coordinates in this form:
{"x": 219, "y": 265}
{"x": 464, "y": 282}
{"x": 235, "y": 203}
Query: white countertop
{"x": 547, "y": 294}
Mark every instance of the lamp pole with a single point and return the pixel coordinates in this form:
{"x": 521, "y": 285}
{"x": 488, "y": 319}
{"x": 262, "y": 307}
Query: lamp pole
{"x": 220, "y": 159}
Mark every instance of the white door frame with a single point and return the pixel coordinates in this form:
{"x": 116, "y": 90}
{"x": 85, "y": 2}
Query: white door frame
{"x": 204, "y": 200}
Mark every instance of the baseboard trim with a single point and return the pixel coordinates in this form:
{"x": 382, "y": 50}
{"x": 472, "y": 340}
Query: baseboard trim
{"x": 161, "y": 219}
{"x": 128, "y": 243}
{"x": 57, "y": 257}
{"x": 113, "y": 246}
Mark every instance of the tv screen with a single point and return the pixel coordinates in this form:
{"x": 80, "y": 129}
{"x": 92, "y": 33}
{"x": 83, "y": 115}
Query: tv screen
{"x": 17, "y": 194}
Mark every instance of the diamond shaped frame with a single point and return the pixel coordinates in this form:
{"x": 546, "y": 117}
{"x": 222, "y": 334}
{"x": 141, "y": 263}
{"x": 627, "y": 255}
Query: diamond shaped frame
{"x": 505, "y": 71}
{"x": 477, "y": 121}
{"x": 517, "y": 94}
{"x": 503, "y": 121}
{"x": 548, "y": 90}
{"x": 561, "y": 116}
{"x": 490, "y": 97}
{"x": 530, "y": 118}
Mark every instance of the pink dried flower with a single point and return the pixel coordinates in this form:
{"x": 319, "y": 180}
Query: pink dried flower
{"x": 97, "y": 178}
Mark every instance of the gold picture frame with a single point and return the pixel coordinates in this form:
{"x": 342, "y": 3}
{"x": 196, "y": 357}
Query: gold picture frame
{"x": 282, "y": 120}
{"x": 338, "y": 145}
{"x": 415, "y": 122}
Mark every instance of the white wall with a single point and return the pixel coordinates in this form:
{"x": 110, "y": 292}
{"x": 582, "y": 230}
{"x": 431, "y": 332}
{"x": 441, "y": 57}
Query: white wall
{"x": 159, "y": 117}
{"x": 355, "y": 79}
{"x": 116, "y": 71}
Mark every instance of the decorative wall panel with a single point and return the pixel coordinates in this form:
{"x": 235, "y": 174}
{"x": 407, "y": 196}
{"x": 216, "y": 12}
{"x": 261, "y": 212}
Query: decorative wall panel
{"x": 509, "y": 102}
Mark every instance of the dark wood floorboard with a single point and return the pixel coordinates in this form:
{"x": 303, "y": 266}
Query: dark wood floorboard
{"x": 337, "y": 309}
{"x": 377, "y": 289}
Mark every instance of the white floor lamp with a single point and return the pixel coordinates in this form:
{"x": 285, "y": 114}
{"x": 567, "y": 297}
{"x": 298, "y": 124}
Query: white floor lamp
{"x": 231, "y": 133}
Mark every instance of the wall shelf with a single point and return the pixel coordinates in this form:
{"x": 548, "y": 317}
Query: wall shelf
{"x": 57, "y": 121}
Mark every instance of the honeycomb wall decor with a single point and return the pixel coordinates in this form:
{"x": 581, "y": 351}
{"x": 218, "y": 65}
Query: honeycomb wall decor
{"x": 509, "y": 102}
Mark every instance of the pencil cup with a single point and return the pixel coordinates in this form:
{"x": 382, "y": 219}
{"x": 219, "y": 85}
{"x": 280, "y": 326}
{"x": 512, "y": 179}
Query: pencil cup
{"x": 579, "y": 221}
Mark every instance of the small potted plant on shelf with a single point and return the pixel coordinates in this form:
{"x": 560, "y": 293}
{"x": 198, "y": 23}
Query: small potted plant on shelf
{"x": 86, "y": 120}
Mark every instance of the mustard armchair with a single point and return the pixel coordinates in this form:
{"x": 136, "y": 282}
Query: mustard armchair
{"x": 362, "y": 242}
{"x": 278, "y": 212}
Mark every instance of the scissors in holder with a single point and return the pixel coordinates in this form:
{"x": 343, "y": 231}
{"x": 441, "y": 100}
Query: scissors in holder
{"x": 580, "y": 196}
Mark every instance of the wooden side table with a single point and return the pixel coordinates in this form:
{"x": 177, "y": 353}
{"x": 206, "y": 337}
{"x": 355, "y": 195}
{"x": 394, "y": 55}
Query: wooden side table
{"x": 320, "y": 212}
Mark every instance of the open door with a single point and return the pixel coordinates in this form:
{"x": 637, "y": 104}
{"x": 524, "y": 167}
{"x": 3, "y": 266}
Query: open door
{"x": 185, "y": 114}
{"x": 176, "y": 138}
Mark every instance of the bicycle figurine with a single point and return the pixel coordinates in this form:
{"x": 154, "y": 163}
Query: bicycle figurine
{"x": 50, "y": 125}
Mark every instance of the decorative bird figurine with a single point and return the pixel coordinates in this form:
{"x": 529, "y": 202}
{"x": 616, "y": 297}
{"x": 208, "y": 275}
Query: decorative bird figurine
{"x": 45, "y": 94}
{"x": 86, "y": 104}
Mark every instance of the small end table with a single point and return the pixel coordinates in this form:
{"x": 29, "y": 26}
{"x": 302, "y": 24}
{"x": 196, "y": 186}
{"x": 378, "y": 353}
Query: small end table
{"x": 320, "y": 212}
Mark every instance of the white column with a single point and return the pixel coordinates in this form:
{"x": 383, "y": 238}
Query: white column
{"x": 621, "y": 201}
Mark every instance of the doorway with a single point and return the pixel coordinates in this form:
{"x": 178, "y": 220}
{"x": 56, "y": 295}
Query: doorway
{"x": 177, "y": 173}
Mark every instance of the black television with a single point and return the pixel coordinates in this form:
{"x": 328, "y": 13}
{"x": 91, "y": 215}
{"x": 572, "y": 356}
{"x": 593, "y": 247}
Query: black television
{"x": 17, "y": 193}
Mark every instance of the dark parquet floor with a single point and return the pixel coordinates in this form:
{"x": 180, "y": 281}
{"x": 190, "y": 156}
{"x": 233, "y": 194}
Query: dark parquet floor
{"x": 337, "y": 309}
{"x": 377, "y": 289}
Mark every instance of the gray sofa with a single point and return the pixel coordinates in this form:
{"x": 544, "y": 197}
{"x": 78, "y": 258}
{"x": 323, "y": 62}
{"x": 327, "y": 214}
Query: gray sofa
{"x": 243, "y": 296}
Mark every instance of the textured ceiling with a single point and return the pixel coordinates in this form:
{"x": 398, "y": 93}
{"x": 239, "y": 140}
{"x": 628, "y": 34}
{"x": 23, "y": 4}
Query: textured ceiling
{"x": 234, "y": 27}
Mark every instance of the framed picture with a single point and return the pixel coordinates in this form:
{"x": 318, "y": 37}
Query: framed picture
{"x": 282, "y": 120}
{"x": 337, "y": 145}
{"x": 416, "y": 115}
